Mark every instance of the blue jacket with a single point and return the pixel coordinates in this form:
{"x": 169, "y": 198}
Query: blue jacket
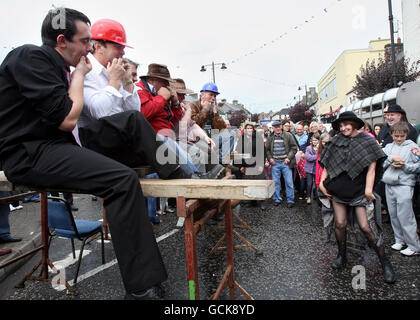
{"x": 302, "y": 141}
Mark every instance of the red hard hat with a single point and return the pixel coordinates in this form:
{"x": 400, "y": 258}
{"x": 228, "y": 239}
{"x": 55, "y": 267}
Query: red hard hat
{"x": 109, "y": 30}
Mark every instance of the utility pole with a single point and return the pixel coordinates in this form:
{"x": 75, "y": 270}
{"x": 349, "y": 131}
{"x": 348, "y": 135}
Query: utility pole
{"x": 391, "y": 26}
{"x": 214, "y": 76}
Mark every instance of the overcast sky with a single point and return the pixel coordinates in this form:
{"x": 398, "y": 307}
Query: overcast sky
{"x": 265, "y": 65}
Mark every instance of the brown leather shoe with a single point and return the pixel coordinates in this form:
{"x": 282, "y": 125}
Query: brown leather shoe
{"x": 5, "y": 251}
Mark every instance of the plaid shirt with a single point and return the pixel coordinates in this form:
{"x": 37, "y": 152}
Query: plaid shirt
{"x": 351, "y": 155}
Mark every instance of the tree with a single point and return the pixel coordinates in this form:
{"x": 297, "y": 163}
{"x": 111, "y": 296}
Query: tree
{"x": 255, "y": 117}
{"x": 300, "y": 112}
{"x": 237, "y": 117}
{"x": 377, "y": 77}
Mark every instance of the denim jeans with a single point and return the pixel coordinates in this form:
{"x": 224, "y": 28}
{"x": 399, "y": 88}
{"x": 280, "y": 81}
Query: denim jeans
{"x": 310, "y": 182}
{"x": 279, "y": 169}
{"x": 152, "y": 202}
{"x": 182, "y": 157}
{"x": 225, "y": 141}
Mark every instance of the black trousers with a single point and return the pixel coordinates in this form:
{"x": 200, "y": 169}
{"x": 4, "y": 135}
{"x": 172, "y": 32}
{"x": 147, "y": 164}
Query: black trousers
{"x": 67, "y": 166}
{"x": 126, "y": 137}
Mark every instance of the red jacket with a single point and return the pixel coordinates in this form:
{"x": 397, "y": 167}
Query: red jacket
{"x": 318, "y": 174}
{"x": 158, "y": 111}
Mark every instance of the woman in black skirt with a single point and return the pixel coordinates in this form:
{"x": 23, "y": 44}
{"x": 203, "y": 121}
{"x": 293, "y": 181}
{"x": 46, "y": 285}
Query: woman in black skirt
{"x": 352, "y": 164}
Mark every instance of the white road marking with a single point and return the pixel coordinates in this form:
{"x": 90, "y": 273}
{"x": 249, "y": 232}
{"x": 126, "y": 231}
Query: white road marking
{"x": 166, "y": 235}
{"x": 180, "y": 222}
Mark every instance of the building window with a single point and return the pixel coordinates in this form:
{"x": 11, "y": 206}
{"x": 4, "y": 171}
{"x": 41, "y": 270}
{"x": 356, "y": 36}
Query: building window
{"x": 330, "y": 91}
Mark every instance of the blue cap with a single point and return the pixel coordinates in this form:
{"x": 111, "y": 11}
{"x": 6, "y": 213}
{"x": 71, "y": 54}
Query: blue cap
{"x": 276, "y": 123}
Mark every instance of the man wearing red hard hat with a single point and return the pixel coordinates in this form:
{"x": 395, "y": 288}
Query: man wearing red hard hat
{"x": 111, "y": 124}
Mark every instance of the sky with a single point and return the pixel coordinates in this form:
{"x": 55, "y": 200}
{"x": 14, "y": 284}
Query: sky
{"x": 270, "y": 47}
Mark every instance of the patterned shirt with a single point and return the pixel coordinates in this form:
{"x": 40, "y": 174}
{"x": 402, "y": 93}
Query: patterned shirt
{"x": 279, "y": 150}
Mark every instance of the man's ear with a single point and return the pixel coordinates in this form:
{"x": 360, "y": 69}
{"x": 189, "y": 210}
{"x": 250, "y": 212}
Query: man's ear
{"x": 61, "y": 41}
{"x": 97, "y": 45}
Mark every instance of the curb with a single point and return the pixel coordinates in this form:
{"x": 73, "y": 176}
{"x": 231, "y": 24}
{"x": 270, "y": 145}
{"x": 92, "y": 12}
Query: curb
{"x": 29, "y": 245}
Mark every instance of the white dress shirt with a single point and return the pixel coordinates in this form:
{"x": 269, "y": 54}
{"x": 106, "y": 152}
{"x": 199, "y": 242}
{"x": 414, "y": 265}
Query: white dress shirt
{"x": 101, "y": 99}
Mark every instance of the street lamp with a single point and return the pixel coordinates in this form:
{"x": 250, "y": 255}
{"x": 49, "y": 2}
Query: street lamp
{"x": 222, "y": 64}
{"x": 306, "y": 93}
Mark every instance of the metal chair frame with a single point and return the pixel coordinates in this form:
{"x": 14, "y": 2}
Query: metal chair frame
{"x": 78, "y": 236}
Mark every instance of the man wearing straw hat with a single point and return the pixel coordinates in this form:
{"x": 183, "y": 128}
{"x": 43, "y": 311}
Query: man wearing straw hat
{"x": 162, "y": 108}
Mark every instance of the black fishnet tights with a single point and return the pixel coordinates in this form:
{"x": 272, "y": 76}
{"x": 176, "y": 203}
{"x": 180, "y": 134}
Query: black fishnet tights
{"x": 340, "y": 217}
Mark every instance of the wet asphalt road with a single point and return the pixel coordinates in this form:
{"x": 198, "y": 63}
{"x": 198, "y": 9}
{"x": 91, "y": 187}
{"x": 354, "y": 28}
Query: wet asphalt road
{"x": 295, "y": 264}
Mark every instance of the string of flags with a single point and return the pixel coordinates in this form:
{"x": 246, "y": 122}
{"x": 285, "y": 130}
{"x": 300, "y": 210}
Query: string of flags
{"x": 286, "y": 33}
{"x": 283, "y": 84}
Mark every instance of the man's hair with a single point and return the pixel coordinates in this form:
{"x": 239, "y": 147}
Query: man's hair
{"x": 401, "y": 127}
{"x": 60, "y": 21}
{"x": 135, "y": 64}
{"x": 102, "y": 42}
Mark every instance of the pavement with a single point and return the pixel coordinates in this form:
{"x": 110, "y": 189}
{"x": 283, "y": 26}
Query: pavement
{"x": 26, "y": 224}
{"x": 295, "y": 264}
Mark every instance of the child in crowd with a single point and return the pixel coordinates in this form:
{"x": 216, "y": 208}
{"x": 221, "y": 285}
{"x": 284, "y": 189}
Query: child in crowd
{"x": 326, "y": 208}
{"x": 310, "y": 165}
{"x": 367, "y": 129}
{"x": 401, "y": 168}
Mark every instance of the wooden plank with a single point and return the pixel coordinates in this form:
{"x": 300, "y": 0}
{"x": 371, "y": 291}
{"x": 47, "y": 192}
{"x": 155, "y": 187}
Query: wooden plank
{"x": 220, "y": 189}
{"x": 208, "y": 189}
{"x": 240, "y": 156}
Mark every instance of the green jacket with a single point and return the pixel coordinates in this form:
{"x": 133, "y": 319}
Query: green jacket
{"x": 289, "y": 143}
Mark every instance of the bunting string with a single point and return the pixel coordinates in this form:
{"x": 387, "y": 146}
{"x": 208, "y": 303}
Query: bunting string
{"x": 277, "y": 83}
{"x": 293, "y": 28}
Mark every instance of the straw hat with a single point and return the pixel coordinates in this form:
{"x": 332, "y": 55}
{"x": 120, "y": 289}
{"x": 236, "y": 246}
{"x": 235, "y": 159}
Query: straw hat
{"x": 179, "y": 87}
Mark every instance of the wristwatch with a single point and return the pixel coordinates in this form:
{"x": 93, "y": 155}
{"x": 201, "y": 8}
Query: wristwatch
{"x": 176, "y": 104}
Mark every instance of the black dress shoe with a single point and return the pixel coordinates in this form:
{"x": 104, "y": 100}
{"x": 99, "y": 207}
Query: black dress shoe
{"x": 153, "y": 293}
{"x": 11, "y": 239}
{"x": 180, "y": 174}
{"x": 212, "y": 174}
